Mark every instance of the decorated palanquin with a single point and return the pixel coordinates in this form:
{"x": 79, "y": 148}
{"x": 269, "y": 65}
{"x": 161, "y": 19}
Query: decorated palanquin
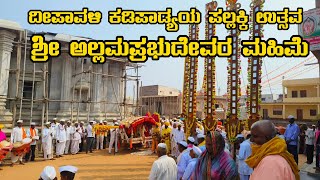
{"x": 138, "y": 129}
{"x": 5, "y": 148}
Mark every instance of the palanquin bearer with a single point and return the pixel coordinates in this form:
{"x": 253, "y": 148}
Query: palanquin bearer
{"x": 99, "y": 136}
{"x": 32, "y": 133}
{"x": 165, "y": 136}
{"x": 105, "y": 139}
{"x": 155, "y": 137}
{"x": 47, "y": 135}
{"x": 17, "y": 135}
{"x": 61, "y": 137}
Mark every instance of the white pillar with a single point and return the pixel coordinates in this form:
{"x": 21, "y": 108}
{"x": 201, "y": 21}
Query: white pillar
{"x": 96, "y": 88}
{"x": 66, "y": 84}
{"x": 6, "y": 47}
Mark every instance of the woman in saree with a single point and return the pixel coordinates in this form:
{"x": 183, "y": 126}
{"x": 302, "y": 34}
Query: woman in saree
{"x": 214, "y": 162}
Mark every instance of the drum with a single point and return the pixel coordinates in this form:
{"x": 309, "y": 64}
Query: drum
{"x": 4, "y": 144}
{"x": 17, "y": 145}
{"x": 26, "y": 141}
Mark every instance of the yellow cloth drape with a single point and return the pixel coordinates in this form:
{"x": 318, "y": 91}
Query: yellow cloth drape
{"x": 275, "y": 146}
{"x": 165, "y": 136}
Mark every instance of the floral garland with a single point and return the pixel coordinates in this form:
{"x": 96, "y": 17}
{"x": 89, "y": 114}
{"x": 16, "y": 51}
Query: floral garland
{"x": 254, "y": 4}
{"x": 190, "y": 121}
{"x": 233, "y": 127}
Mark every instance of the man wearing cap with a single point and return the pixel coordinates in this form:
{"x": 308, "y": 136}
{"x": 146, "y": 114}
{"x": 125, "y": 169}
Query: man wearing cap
{"x": 164, "y": 168}
{"x": 32, "y": 133}
{"x": 310, "y": 141}
{"x": 75, "y": 139}
{"x": 99, "y": 135}
{"x": 291, "y": 135}
{"x": 182, "y": 146}
{"x": 165, "y": 136}
{"x": 178, "y": 135}
{"x": 114, "y": 138}
{"x": 61, "y": 137}
{"x": 68, "y": 172}
{"x": 47, "y": 135}
{"x": 195, "y": 152}
{"x": 244, "y": 152}
{"x": 48, "y": 173}
{"x": 185, "y": 157}
{"x": 90, "y": 137}
{"x": 68, "y": 135}
{"x": 54, "y": 125}
{"x": 17, "y": 135}
{"x": 201, "y": 141}
{"x": 83, "y": 135}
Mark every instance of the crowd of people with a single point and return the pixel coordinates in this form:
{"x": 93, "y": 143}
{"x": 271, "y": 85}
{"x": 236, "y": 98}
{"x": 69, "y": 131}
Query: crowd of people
{"x": 261, "y": 154}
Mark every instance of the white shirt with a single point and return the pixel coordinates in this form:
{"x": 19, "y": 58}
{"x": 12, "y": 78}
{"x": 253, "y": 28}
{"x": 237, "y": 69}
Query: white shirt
{"x": 178, "y": 135}
{"x": 68, "y": 133}
{"x": 310, "y": 136}
{"x": 29, "y": 135}
{"x": 113, "y": 132}
{"x": 164, "y": 168}
{"x": 89, "y": 131}
{"x": 61, "y": 134}
{"x": 53, "y": 129}
{"x": 16, "y": 135}
{"x": 46, "y": 135}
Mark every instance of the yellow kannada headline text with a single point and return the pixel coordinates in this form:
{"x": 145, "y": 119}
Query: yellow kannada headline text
{"x": 231, "y": 19}
{"x": 64, "y": 17}
{"x": 141, "y": 50}
{"x": 155, "y": 17}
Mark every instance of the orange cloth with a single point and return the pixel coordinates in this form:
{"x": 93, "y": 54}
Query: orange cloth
{"x": 32, "y": 132}
{"x": 24, "y": 134}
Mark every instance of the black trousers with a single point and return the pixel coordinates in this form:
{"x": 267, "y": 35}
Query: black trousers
{"x": 293, "y": 149}
{"x": 90, "y": 141}
{"x": 32, "y": 152}
{"x": 318, "y": 156}
{"x": 310, "y": 152}
{"x": 81, "y": 145}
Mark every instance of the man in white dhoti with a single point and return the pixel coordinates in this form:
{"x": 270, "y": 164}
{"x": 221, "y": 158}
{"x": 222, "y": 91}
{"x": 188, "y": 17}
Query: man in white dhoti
{"x": 76, "y": 139}
{"x": 69, "y": 139}
{"x": 173, "y": 142}
{"x": 178, "y": 136}
{"x": 61, "y": 137}
{"x": 47, "y": 135}
{"x": 17, "y": 135}
{"x": 114, "y": 138}
{"x": 164, "y": 167}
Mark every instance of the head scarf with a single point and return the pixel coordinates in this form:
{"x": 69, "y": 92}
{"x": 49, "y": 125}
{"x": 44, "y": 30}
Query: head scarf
{"x": 203, "y": 168}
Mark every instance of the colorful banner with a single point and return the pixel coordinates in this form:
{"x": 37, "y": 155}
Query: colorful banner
{"x": 309, "y": 29}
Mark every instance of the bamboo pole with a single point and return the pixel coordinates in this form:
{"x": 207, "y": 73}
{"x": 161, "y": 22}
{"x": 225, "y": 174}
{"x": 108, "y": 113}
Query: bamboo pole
{"x": 80, "y": 90}
{"x": 24, "y": 70}
{"x": 89, "y": 94}
{"x": 33, "y": 88}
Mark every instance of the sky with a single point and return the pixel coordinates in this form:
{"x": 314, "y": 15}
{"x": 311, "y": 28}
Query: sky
{"x": 169, "y": 71}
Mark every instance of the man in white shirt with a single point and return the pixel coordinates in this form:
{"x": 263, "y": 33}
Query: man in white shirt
{"x": 114, "y": 138}
{"x": 17, "y": 135}
{"x": 32, "y": 133}
{"x": 90, "y": 137}
{"x": 178, "y": 135}
{"x": 61, "y": 137}
{"x": 164, "y": 167}
{"x": 69, "y": 139}
{"x": 47, "y": 135}
{"x": 310, "y": 141}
